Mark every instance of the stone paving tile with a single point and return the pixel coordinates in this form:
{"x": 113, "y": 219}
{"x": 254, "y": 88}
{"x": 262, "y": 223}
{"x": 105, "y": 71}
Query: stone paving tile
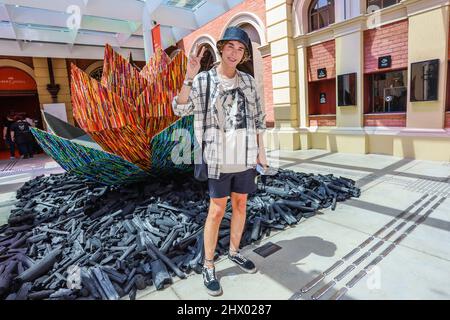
{"x": 369, "y": 161}
{"x": 433, "y": 237}
{"x": 415, "y": 269}
{"x": 298, "y": 154}
{"x": 405, "y": 274}
{"x": 166, "y": 294}
{"x": 438, "y": 169}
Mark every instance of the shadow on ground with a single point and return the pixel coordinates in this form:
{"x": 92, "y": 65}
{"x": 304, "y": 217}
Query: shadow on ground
{"x": 285, "y": 265}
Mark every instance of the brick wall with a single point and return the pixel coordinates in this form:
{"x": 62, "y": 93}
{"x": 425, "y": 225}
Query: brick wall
{"x": 385, "y": 120}
{"x": 447, "y": 99}
{"x": 322, "y": 121}
{"x": 268, "y": 91}
{"x": 322, "y": 55}
{"x": 391, "y": 39}
{"x": 215, "y": 27}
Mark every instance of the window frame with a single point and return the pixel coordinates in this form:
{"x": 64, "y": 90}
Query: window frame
{"x": 341, "y": 101}
{"x": 371, "y": 88}
{"x": 331, "y": 18}
{"x": 97, "y": 73}
{"x": 412, "y": 97}
{"x": 382, "y": 4}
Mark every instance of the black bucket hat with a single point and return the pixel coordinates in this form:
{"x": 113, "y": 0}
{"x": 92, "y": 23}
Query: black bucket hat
{"x": 237, "y": 34}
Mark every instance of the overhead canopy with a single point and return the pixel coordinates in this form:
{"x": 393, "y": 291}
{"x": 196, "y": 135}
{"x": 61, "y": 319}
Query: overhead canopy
{"x": 81, "y": 28}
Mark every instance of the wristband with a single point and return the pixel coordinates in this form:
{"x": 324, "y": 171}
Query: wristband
{"x": 187, "y": 82}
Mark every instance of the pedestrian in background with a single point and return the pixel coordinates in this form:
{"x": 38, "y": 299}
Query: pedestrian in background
{"x": 21, "y": 134}
{"x": 7, "y": 124}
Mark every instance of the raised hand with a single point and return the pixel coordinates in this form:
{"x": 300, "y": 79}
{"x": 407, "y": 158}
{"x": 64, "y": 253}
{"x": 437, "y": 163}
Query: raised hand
{"x": 193, "y": 65}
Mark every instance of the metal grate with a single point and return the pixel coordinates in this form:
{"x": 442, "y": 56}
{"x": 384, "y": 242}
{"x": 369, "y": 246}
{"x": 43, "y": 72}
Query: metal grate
{"x": 267, "y": 249}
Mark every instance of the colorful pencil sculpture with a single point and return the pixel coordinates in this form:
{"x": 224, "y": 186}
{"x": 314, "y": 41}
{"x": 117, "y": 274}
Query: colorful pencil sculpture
{"x": 129, "y": 115}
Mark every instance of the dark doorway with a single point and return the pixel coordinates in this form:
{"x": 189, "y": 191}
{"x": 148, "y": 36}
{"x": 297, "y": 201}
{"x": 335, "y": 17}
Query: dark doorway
{"x": 19, "y": 103}
{"x": 18, "y": 96}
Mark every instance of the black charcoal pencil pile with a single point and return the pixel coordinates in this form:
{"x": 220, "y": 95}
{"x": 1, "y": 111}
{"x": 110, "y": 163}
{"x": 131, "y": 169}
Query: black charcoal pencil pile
{"x": 69, "y": 238}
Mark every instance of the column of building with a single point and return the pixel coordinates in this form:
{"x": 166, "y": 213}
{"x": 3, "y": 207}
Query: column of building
{"x": 285, "y": 135}
{"x": 428, "y": 35}
{"x": 61, "y": 78}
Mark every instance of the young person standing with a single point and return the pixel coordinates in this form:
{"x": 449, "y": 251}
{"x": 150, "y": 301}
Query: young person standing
{"x": 9, "y": 121}
{"x": 232, "y": 131}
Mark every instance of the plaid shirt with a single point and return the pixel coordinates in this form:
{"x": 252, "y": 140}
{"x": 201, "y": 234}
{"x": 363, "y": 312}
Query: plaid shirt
{"x": 210, "y": 132}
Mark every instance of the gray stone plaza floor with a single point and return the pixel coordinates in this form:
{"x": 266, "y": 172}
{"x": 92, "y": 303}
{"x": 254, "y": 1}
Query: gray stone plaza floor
{"x": 396, "y": 193}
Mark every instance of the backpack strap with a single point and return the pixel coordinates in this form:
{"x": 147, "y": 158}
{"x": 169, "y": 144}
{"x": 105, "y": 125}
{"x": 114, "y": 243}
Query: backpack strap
{"x": 205, "y": 112}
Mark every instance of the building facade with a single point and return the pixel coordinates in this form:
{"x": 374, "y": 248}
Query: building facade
{"x": 357, "y": 76}
{"x": 361, "y": 76}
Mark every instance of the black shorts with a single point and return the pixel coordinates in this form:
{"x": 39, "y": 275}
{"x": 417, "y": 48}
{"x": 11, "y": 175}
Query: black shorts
{"x": 239, "y": 182}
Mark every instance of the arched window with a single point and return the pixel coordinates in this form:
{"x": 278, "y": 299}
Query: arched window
{"x": 321, "y": 14}
{"x": 380, "y": 3}
{"x": 209, "y": 58}
{"x": 97, "y": 74}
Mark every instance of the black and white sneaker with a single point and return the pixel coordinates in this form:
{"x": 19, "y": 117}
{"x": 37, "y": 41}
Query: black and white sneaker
{"x": 243, "y": 263}
{"x": 210, "y": 281}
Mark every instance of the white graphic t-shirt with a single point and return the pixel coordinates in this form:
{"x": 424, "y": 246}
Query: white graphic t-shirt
{"x": 231, "y": 113}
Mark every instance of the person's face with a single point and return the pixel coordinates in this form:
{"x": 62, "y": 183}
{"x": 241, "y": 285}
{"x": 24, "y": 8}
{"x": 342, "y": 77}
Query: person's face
{"x": 232, "y": 53}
